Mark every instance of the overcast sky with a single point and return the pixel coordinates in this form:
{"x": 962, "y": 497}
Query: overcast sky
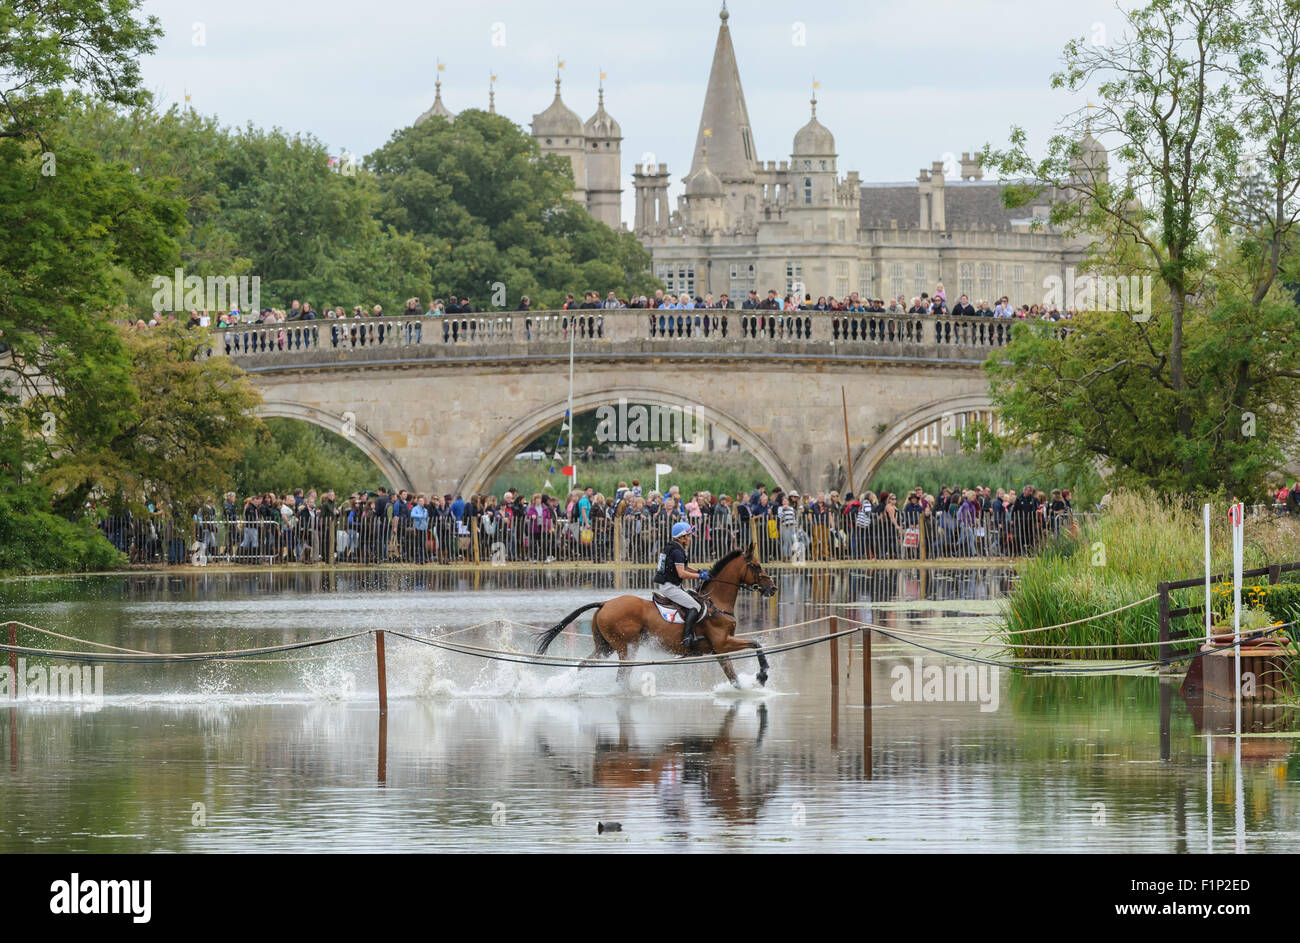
{"x": 902, "y": 83}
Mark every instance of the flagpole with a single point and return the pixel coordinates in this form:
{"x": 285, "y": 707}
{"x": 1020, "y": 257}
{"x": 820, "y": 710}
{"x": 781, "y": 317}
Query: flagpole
{"x": 573, "y": 333}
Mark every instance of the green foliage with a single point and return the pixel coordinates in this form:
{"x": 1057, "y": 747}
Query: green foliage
{"x": 1009, "y": 470}
{"x": 717, "y": 472}
{"x": 289, "y": 454}
{"x": 190, "y": 417}
{"x": 261, "y": 203}
{"x": 36, "y": 541}
{"x": 1120, "y": 557}
{"x": 1279, "y": 602}
{"x": 52, "y": 47}
{"x": 32, "y": 539}
{"x": 77, "y": 228}
{"x": 1196, "y": 102}
{"x": 490, "y": 208}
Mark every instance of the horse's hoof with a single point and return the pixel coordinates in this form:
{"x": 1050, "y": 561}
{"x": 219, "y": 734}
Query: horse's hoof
{"x": 762, "y": 678}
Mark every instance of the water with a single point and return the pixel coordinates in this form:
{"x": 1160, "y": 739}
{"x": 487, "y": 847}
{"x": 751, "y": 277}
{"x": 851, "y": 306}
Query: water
{"x": 488, "y": 756}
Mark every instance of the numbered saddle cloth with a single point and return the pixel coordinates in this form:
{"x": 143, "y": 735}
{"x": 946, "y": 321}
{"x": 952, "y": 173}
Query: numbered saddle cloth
{"x": 672, "y": 612}
{"x": 669, "y": 613}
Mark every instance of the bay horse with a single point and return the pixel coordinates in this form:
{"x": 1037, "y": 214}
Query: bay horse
{"x": 619, "y": 624}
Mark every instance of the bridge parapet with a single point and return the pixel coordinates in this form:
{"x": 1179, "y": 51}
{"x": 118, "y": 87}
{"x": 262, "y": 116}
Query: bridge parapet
{"x": 701, "y": 332}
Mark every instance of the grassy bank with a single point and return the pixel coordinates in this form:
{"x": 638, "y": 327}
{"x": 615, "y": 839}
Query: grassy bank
{"x": 1119, "y": 558}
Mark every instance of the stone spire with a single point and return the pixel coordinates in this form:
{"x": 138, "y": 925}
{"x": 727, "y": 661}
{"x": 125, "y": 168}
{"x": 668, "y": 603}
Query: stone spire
{"x": 602, "y": 124}
{"x": 814, "y": 138}
{"x": 731, "y": 147}
{"x": 557, "y": 120}
{"x": 704, "y": 182}
{"x": 492, "y": 94}
{"x": 438, "y": 108}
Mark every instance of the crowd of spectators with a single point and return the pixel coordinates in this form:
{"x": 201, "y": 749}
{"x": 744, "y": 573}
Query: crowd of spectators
{"x": 631, "y": 525}
{"x": 935, "y": 303}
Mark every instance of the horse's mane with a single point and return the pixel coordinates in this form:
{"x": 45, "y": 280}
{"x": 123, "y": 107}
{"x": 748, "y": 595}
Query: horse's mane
{"x": 724, "y": 560}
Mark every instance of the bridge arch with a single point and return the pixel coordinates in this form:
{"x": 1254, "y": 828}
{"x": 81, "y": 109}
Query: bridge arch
{"x": 868, "y": 462}
{"x": 506, "y": 446}
{"x": 373, "y": 449}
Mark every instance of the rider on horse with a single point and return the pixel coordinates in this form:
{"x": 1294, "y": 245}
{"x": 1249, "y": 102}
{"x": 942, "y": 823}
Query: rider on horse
{"x": 673, "y": 568}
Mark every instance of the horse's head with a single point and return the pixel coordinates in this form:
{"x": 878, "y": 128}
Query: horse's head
{"x": 755, "y": 577}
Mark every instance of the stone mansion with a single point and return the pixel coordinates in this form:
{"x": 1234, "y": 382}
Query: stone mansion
{"x": 798, "y": 226}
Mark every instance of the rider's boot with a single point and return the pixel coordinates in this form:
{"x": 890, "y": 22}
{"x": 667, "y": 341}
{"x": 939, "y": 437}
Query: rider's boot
{"x": 688, "y": 633}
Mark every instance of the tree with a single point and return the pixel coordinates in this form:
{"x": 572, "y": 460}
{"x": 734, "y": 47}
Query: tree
{"x": 51, "y": 46}
{"x": 492, "y": 211}
{"x": 291, "y": 454}
{"x": 260, "y": 203}
{"x": 1195, "y": 395}
{"x": 193, "y": 418}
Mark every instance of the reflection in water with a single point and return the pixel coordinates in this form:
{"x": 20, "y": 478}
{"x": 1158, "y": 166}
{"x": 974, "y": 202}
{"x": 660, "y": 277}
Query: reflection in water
{"x": 493, "y": 757}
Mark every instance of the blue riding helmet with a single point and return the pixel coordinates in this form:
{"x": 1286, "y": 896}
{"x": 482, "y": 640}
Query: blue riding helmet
{"x": 680, "y": 528}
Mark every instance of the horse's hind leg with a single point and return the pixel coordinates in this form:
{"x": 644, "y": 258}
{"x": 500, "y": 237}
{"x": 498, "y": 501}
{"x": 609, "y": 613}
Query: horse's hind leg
{"x": 601, "y": 644}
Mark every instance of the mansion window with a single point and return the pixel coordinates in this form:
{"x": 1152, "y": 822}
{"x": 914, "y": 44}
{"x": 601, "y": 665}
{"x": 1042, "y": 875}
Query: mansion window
{"x": 986, "y": 283}
{"x": 867, "y": 281}
{"x": 896, "y": 280}
{"x": 807, "y": 191}
{"x": 918, "y": 279}
{"x": 742, "y": 281}
{"x": 794, "y": 279}
{"x": 677, "y": 278}
{"x": 841, "y": 279}
{"x": 966, "y": 279}
{"x": 1017, "y": 284}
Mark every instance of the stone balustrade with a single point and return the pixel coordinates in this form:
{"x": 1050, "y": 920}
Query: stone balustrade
{"x": 730, "y": 332}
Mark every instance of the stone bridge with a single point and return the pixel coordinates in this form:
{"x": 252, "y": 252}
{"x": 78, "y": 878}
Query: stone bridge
{"x": 445, "y": 403}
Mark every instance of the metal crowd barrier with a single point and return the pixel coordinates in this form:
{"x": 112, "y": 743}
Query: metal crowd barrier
{"x": 634, "y": 538}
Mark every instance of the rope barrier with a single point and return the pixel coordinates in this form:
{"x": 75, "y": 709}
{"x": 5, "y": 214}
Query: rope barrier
{"x": 1048, "y": 669}
{"x": 1042, "y": 628}
{"x": 144, "y": 658}
{"x": 991, "y": 642}
{"x": 570, "y": 662}
{"x": 120, "y": 655}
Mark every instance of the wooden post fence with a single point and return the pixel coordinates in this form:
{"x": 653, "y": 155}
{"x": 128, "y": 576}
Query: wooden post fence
{"x": 835, "y": 684}
{"x": 866, "y": 701}
{"x": 1168, "y": 635}
{"x": 382, "y": 670}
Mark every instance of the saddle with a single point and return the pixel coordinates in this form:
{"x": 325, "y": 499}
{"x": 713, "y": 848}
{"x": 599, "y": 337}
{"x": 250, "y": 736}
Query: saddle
{"x": 672, "y": 611}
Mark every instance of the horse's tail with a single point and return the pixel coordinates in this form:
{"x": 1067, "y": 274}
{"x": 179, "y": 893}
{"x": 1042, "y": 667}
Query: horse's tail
{"x": 544, "y": 639}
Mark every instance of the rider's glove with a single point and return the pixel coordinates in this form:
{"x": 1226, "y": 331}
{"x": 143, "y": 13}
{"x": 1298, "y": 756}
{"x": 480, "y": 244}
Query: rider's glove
{"x": 704, "y": 575}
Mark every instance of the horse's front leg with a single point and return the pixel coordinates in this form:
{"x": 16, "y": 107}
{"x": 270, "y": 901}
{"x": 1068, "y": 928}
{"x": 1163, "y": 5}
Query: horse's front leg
{"x": 733, "y": 644}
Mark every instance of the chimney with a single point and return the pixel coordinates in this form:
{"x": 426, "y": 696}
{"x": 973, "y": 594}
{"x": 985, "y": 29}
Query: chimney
{"x": 937, "y": 217}
{"x": 970, "y": 167}
{"x": 923, "y": 188}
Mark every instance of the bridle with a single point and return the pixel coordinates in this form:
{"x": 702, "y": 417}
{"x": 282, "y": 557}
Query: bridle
{"x": 755, "y": 570}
